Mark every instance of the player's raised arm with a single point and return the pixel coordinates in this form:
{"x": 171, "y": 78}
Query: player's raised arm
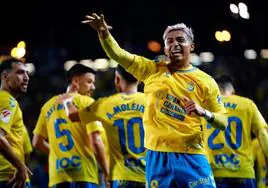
{"x": 139, "y": 66}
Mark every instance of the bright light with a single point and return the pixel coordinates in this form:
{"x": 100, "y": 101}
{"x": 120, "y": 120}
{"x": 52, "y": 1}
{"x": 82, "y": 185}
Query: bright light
{"x": 101, "y": 64}
{"x": 31, "y": 68}
{"x": 264, "y": 53}
{"x": 113, "y": 63}
{"x": 218, "y": 36}
{"x": 244, "y": 14}
{"x": 250, "y": 54}
{"x": 18, "y": 52}
{"x": 195, "y": 59}
{"x": 226, "y": 35}
{"x": 88, "y": 63}
{"x": 69, "y": 64}
{"x": 234, "y": 8}
{"x": 21, "y": 44}
{"x": 154, "y": 46}
{"x": 242, "y": 7}
{"x": 206, "y": 57}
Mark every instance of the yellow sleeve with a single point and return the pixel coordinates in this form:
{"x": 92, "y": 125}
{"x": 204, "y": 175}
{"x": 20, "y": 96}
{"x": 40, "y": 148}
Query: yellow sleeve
{"x": 138, "y": 66}
{"x": 93, "y": 127}
{"x": 27, "y": 142}
{"x": 258, "y": 121}
{"x": 213, "y": 102}
{"x": 91, "y": 113}
{"x": 8, "y": 110}
{"x": 41, "y": 127}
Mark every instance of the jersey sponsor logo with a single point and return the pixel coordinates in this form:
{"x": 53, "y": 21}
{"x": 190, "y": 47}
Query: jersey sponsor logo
{"x": 190, "y": 86}
{"x": 71, "y": 163}
{"x": 5, "y": 115}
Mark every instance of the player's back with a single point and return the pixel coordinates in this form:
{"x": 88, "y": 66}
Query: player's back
{"x": 71, "y": 158}
{"x": 231, "y": 150}
{"x": 121, "y": 116}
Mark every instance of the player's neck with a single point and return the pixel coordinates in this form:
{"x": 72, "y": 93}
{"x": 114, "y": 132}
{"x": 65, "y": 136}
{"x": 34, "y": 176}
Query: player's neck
{"x": 9, "y": 90}
{"x": 130, "y": 89}
{"x": 70, "y": 89}
{"x": 180, "y": 65}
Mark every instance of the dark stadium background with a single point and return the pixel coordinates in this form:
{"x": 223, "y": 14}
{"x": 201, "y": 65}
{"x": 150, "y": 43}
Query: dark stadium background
{"x": 54, "y": 34}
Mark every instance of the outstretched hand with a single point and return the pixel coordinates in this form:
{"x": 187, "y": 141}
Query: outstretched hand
{"x": 97, "y": 22}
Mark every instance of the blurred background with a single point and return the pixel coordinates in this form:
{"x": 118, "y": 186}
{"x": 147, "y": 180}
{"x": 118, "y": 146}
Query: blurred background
{"x": 230, "y": 38}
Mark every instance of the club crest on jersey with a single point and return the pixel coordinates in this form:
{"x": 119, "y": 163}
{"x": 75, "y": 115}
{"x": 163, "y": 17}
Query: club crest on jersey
{"x": 5, "y": 115}
{"x": 190, "y": 86}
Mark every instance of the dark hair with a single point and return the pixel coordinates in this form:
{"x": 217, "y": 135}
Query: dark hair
{"x": 6, "y": 63}
{"x": 129, "y": 78}
{"x": 224, "y": 80}
{"x": 78, "y": 69}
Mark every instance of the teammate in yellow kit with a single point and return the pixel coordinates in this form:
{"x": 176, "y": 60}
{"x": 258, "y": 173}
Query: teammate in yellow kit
{"x": 231, "y": 150}
{"x": 14, "y": 82}
{"x": 121, "y": 115}
{"x": 73, "y": 147}
{"x": 177, "y": 96}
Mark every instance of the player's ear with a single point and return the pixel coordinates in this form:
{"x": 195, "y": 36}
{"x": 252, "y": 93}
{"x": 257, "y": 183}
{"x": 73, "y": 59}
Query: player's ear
{"x": 192, "y": 46}
{"x": 75, "y": 82}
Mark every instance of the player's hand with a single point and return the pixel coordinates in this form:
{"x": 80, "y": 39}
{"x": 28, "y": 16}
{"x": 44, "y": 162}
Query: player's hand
{"x": 107, "y": 183}
{"x": 19, "y": 178}
{"x": 97, "y": 22}
{"x": 192, "y": 107}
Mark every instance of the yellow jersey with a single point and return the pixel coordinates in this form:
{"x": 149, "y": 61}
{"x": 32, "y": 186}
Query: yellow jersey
{"x": 11, "y": 121}
{"x": 231, "y": 150}
{"x": 121, "y": 116}
{"x": 167, "y": 126}
{"x": 71, "y": 158}
{"x": 261, "y": 168}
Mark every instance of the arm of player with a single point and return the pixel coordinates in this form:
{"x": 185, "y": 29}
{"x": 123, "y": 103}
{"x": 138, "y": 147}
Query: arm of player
{"x": 263, "y": 139}
{"x": 139, "y": 66}
{"x": 98, "y": 146}
{"x": 109, "y": 45}
{"x": 40, "y": 143}
{"x": 217, "y": 120}
{"x": 22, "y": 172}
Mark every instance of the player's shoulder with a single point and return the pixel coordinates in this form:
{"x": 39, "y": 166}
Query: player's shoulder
{"x": 242, "y": 99}
{"x": 7, "y": 98}
{"x": 204, "y": 76}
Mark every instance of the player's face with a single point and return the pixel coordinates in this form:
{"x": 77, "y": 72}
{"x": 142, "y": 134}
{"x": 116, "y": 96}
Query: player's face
{"x": 18, "y": 78}
{"x": 86, "y": 84}
{"x": 178, "y": 46}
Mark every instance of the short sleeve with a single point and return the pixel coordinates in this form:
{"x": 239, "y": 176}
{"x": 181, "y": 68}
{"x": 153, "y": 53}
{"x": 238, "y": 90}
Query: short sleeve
{"x": 41, "y": 127}
{"x": 258, "y": 121}
{"x": 213, "y": 101}
{"x": 27, "y": 142}
{"x": 8, "y": 110}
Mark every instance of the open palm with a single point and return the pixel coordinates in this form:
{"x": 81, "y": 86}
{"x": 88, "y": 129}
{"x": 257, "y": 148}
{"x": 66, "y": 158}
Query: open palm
{"x": 97, "y": 22}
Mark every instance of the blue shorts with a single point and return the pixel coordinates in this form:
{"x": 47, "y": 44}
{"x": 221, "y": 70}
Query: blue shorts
{"x": 235, "y": 182}
{"x": 167, "y": 169}
{"x": 126, "y": 184}
{"x": 78, "y": 184}
{"x": 3, "y": 184}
